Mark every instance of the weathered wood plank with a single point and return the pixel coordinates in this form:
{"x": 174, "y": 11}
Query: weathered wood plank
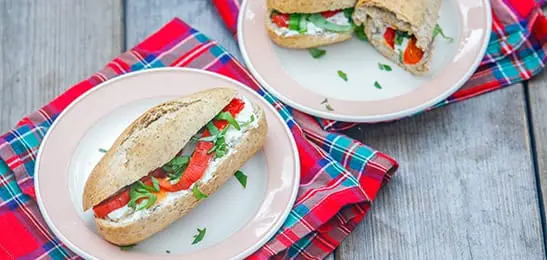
{"x": 48, "y": 45}
{"x": 465, "y": 189}
{"x": 145, "y": 17}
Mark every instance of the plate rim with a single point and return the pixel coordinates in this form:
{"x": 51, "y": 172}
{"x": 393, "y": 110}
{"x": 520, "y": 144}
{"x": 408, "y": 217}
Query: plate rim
{"x": 378, "y": 118}
{"x": 295, "y": 156}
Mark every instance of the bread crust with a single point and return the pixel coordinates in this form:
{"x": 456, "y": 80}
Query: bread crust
{"x": 309, "y": 6}
{"x": 303, "y": 41}
{"x": 151, "y": 141}
{"x": 165, "y": 214}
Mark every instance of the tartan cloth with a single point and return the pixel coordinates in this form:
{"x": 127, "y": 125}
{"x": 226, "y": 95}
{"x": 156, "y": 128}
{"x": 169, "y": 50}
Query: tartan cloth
{"x": 515, "y": 52}
{"x": 340, "y": 177}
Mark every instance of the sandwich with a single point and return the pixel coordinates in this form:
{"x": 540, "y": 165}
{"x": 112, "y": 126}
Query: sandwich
{"x": 402, "y": 31}
{"x": 169, "y": 160}
{"x": 309, "y": 23}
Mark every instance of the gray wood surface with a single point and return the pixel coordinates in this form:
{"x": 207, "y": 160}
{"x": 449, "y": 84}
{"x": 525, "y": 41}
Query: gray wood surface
{"x": 49, "y": 45}
{"x": 466, "y": 188}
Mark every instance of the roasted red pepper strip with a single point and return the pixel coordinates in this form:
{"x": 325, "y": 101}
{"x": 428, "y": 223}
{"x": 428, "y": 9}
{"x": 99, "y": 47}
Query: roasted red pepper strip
{"x": 389, "y": 36}
{"x": 412, "y": 54}
{"x": 201, "y": 157}
{"x": 281, "y": 20}
{"x": 328, "y": 14}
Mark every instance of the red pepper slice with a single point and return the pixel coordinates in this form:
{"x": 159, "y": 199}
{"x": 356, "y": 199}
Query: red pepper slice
{"x": 412, "y": 54}
{"x": 389, "y": 36}
{"x": 201, "y": 157}
{"x": 281, "y": 20}
{"x": 328, "y": 14}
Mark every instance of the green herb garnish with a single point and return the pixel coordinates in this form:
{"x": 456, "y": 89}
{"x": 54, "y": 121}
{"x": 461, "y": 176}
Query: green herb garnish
{"x": 213, "y": 130}
{"x": 127, "y": 247}
{"x": 439, "y": 31}
{"x": 401, "y": 57}
{"x": 348, "y": 12}
{"x": 324, "y": 101}
{"x": 136, "y": 194}
{"x": 342, "y": 75}
{"x": 102, "y": 150}
{"x": 360, "y": 33}
{"x": 229, "y": 118}
{"x": 317, "y": 53}
{"x": 199, "y": 236}
{"x": 400, "y": 36}
{"x": 244, "y": 124}
{"x": 377, "y": 85}
{"x": 329, "y": 107}
{"x": 167, "y": 251}
{"x": 198, "y": 194}
{"x": 176, "y": 167}
{"x": 384, "y": 67}
{"x": 242, "y": 178}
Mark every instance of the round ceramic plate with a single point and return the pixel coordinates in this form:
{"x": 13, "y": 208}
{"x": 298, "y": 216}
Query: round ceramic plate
{"x": 304, "y": 82}
{"x": 237, "y": 220}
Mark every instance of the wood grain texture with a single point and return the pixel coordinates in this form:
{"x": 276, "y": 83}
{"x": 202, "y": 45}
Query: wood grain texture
{"x": 48, "y": 45}
{"x": 465, "y": 189}
{"x": 146, "y": 17}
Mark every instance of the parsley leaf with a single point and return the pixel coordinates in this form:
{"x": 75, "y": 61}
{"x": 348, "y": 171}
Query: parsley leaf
{"x": 102, "y": 150}
{"x": 213, "y": 130}
{"x": 127, "y": 247}
{"x": 317, "y": 53}
{"x": 342, "y": 75}
{"x": 176, "y": 167}
{"x": 439, "y": 31}
{"x": 198, "y": 194}
{"x": 377, "y": 85}
{"x": 242, "y": 178}
{"x": 384, "y": 67}
{"x": 199, "y": 236}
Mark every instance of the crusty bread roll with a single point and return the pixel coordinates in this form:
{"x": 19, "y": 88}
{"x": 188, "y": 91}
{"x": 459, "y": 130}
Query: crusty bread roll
{"x": 309, "y": 6}
{"x": 151, "y": 141}
{"x": 418, "y": 18}
{"x": 303, "y": 41}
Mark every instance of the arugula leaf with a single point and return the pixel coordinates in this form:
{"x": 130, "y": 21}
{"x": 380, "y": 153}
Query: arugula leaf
{"x": 228, "y": 117}
{"x": 317, "y": 53}
{"x": 348, "y": 12}
{"x": 242, "y": 178}
{"x": 360, "y": 32}
{"x": 155, "y": 183}
{"x": 342, "y": 75}
{"x": 439, "y": 31}
{"x": 127, "y": 247}
{"x": 198, "y": 194}
{"x": 102, "y": 150}
{"x": 176, "y": 167}
{"x": 199, "y": 236}
{"x": 377, "y": 85}
{"x": 384, "y": 67}
{"x": 244, "y": 124}
{"x": 213, "y": 130}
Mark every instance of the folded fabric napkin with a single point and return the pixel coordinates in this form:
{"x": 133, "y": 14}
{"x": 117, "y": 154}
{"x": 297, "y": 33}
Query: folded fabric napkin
{"x": 340, "y": 176}
{"x": 516, "y": 51}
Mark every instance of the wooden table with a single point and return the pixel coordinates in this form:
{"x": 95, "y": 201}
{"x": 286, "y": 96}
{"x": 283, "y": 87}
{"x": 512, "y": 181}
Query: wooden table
{"x": 473, "y": 175}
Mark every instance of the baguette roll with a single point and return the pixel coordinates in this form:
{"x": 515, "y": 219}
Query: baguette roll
{"x": 160, "y": 136}
{"x": 402, "y": 31}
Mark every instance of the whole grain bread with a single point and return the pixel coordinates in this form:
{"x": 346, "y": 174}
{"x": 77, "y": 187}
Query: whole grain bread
{"x": 309, "y": 6}
{"x": 152, "y": 140}
{"x": 165, "y": 214}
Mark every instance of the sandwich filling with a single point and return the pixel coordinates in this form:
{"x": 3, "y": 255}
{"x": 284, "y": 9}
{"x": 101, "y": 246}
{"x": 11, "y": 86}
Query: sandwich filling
{"x": 403, "y": 43}
{"x": 195, "y": 163}
{"x": 338, "y": 21}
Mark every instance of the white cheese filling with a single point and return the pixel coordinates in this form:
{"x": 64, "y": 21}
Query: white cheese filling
{"x": 339, "y": 18}
{"x": 232, "y": 137}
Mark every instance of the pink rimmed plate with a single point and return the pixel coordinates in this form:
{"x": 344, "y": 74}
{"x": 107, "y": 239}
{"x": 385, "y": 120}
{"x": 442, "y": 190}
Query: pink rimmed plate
{"x": 304, "y": 83}
{"x": 238, "y": 220}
